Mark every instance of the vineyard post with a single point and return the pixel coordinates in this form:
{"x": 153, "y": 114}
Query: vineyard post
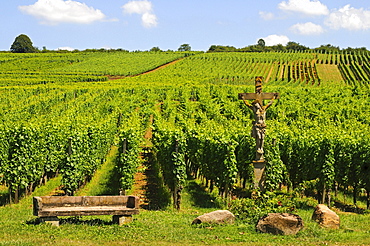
{"x": 177, "y": 188}
{"x": 70, "y": 146}
{"x": 259, "y": 126}
{"x": 122, "y": 192}
{"x": 69, "y": 155}
{"x": 119, "y": 120}
{"x": 124, "y": 146}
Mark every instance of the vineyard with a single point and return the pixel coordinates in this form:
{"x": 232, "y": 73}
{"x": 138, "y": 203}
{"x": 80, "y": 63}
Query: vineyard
{"x": 61, "y": 113}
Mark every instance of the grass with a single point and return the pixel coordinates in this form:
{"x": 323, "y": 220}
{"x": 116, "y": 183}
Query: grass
{"x": 104, "y": 181}
{"x": 164, "y": 226}
{"x": 167, "y": 227}
{"x": 329, "y": 73}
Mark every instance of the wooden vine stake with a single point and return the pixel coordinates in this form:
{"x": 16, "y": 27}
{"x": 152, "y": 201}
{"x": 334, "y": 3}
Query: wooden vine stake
{"x": 176, "y": 193}
{"x": 122, "y": 192}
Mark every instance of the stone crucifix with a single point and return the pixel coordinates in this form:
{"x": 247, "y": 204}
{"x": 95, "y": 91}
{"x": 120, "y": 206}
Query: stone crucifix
{"x": 259, "y": 125}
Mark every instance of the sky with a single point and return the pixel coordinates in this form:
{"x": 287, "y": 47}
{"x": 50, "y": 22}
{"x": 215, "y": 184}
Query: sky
{"x": 167, "y": 24}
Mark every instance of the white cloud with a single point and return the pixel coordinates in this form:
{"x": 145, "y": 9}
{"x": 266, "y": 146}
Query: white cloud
{"x": 308, "y": 28}
{"x": 266, "y": 15}
{"x": 143, "y": 8}
{"x": 349, "y": 18}
{"x": 275, "y": 39}
{"x": 137, "y": 7}
{"x": 53, "y": 12}
{"x": 149, "y": 20}
{"x": 307, "y": 7}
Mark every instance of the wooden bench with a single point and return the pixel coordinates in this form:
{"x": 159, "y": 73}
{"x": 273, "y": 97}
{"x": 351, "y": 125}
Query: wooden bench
{"x": 48, "y": 208}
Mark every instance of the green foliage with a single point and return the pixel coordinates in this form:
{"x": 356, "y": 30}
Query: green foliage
{"x": 261, "y": 42}
{"x": 25, "y": 158}
{"x": 84, "y": 154}
{"x": 44, "y": 68}
{"x": 312, "y": 122}
{"x": 250, "y": 210}
{"x": 155, "y": 49}
{"x": 185, "y": 47}
{"x": 221, "y": 48}
{"x": 276, "y": 172}
{"x": 128, "y": 161}
{"x": 22, "y": 44}
{"x": 170, "y": 148}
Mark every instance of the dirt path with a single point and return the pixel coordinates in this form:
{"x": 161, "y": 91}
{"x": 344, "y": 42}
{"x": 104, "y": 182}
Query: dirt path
{"x": 140, "y": 185}
{"x": 269, "y": 75}
{"x": 114, "y": 77}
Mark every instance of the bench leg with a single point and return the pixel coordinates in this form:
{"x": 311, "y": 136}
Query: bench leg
{"x": 50, "y": 220}
{"x": 122, "y": 219}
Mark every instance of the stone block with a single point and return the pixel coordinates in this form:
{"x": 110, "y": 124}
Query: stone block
{"x": 216, "y": 217}
{"x": 280, "y": 224}
{"x": 122, "y": 220}
{"x": 326, "y": 217}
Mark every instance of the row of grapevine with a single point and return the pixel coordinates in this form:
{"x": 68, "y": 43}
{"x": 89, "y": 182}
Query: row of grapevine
{"x": 85, "y": 152}
{"x": 17, "y": 78}
{"x": 202, "y": 127}
{"x": 170, "y": 147}
{"x": 299, "y": 148}
{"x": 42, "y": 68}
{"x": 226, "y": 68}
{"x": 241, "y": 68}
{"x": 334, "y": 159}
{"x": 131, "y": 133}
{"x": 52, "y": 130}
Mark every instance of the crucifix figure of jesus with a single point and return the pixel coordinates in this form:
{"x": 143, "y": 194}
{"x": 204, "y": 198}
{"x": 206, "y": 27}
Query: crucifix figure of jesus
{"x": 259, "y": 111}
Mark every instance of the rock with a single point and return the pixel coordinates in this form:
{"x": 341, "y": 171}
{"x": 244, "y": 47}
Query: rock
{"x": 326, "y": 217}
{"x": 216, "y": 217}
{"x": 280, "y": 224}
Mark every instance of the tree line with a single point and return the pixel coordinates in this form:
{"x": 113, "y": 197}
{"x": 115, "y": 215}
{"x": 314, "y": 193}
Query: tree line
{"x": 23, "y": 44}
{"x": 290, "y": 46}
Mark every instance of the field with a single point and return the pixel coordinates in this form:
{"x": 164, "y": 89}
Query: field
{"x": 61, "y": 114}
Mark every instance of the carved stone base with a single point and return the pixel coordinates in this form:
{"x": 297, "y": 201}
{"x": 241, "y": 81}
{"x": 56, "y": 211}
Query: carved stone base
{"x": 259, "y": 177}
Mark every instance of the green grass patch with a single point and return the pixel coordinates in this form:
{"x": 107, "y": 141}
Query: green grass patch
{"x": 104, "y": 182}
{"x": 167, "y": 227}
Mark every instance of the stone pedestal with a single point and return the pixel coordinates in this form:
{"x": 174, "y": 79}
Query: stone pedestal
{"x": 259, "y": 177}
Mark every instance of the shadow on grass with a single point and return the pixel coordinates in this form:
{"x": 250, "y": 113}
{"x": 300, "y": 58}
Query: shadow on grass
{"x": 348, "y": 208}
{"x": 200, "y": 197}
{"x": 4, "y": 198}
{"x": 109, "y": 182}
{"x": 157, "y": 195}
{"x": 111, "y": 186}
{"x": 75, "y": 220}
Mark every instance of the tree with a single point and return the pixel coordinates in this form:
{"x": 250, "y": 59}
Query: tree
{"x": 295, "y": 46}
{"x": 184, "y": 47}
{"x": 220, "y": 48}
{"x": 155, "y": 49}
{"x": 261, "y": 42}
{"x": 22, "y": 44}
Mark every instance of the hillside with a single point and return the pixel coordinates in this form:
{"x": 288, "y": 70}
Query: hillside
{"x": 60, "y": 116}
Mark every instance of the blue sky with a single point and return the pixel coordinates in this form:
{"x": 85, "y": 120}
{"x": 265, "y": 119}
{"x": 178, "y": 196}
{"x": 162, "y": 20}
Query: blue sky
{"x": 143, "y": 24}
